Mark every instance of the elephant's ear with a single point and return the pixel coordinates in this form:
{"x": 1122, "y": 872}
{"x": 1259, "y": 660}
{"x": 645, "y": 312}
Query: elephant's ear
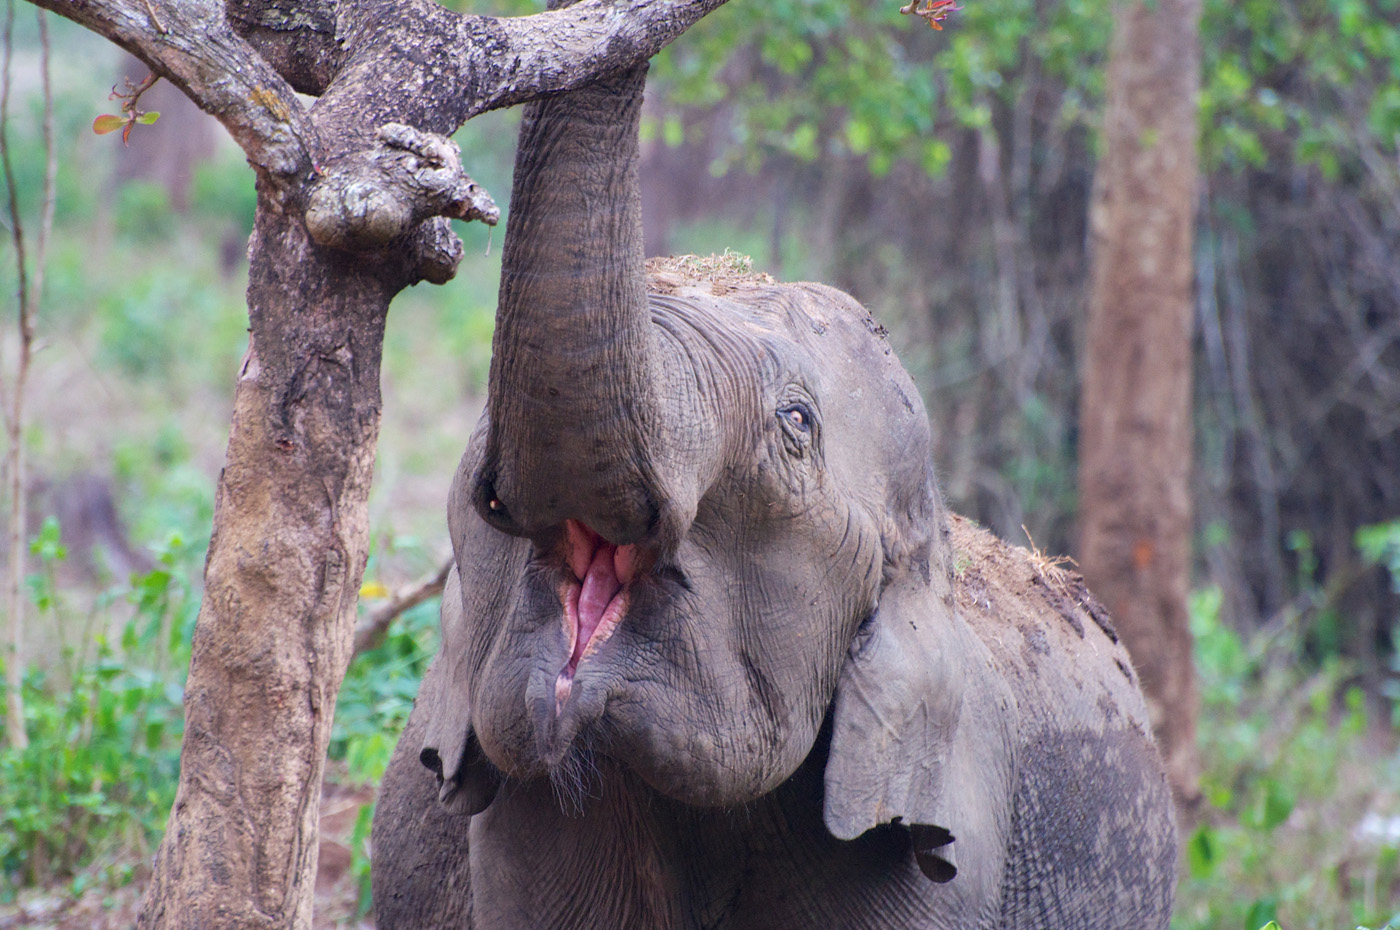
{"x": 467, "y": 781}
{"x": 912, "y": 742}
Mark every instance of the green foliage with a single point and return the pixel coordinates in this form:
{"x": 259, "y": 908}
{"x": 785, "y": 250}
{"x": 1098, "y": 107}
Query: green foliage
{"x": 360, "y": 864}
{"x": 1285, "y": 785}
{"x": 104, "y": 726}
{"x": 374, "y": 704}
{"x": 378, "y": 694}
{"x": 812, "y": 78}
{"x": 1292, "y": 79}
{"x": 820, "y": 76}
{"x": 142, "y": 211}
{"x": 222, "y": 193}
{"x": 1308, "y": 80}
{"x": 1379, "y": 544}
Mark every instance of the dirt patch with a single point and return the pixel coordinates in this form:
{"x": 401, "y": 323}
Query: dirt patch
{"x": 1029, "y": 574}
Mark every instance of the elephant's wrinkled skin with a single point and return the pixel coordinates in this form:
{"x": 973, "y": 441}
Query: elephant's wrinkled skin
{"x": 713, "y": 653}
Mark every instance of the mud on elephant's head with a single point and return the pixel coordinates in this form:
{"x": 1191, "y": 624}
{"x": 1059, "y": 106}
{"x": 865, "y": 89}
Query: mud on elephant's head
{"x": 790, "y": 469}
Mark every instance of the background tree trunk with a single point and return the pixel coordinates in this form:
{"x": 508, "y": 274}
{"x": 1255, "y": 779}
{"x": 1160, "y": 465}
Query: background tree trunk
{"x": 1135, "y": 414}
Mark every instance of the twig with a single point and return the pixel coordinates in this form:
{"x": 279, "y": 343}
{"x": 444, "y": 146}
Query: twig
{"x": 11, "y": 188}
{"x": 933, "y": 12}
{"x": 29, "y": 296}
{"x": 370, "y": 633}
{"x": 155, "y": 20}
{"x": 1048, "y": 566}
{"x": 50, "y": 190}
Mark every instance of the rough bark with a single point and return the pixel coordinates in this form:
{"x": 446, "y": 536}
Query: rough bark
{"x": 276, "y": 626}
{"x": 1135, "y": 416}
{"x": 353, "y": 195}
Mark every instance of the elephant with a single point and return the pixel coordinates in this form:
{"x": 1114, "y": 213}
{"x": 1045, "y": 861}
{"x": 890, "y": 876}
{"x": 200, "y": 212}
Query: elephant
{"x": 714, "y": 653}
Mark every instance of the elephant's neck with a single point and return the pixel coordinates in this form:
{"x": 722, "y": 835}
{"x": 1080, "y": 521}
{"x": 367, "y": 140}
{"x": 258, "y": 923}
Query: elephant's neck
{"x": 631, "y": 859}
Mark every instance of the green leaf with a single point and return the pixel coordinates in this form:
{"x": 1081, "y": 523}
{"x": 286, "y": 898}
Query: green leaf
{"x": 936, "y": 156}
{"x": 48, "y": 544}
{"x": 1200, "y": 852}
{"x": 107, "y": 123}
{"x": 859, "y": 136}
{"x": 803, "y": 142}
{"x": 672, "y": 131}
{"x": 1272, "y": 806}
{"x": 1263, "y": 915}
{"x": 147, "y": 119}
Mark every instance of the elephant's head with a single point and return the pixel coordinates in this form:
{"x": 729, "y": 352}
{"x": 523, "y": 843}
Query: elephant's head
{"x": 687, "y": 525}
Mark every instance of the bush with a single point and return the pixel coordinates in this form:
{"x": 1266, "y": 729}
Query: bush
{"x": 1292, "y": 771}
{"x": 105, "y": 726}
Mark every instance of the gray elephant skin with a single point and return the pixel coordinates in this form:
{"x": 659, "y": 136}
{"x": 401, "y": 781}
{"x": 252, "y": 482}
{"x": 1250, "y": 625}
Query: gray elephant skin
{"x": 713, "y": 652}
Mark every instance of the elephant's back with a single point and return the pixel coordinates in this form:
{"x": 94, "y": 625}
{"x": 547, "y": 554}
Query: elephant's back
{"x": 1093, "y": 839}
{"x": 1051, "y": 637}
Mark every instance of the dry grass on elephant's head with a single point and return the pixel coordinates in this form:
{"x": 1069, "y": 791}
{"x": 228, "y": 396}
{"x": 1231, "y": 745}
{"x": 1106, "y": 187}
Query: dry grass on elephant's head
{"x": 718, "y": 274}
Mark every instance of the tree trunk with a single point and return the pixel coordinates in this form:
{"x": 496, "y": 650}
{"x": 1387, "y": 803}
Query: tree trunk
{"x": 276, "y": 628}
{"x": 1135, "y": 439}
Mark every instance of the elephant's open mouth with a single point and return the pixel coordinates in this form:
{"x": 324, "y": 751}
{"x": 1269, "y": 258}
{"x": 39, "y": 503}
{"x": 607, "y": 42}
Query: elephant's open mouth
{"x": 594, "y": 598}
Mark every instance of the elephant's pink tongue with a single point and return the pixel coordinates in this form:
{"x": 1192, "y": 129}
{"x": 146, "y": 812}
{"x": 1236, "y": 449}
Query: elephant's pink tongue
{"x": 594, "y": 600}
{"x": 600, "y": 586}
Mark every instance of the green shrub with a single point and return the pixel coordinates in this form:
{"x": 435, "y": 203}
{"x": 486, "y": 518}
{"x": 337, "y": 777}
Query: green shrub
{"x": 1289, "y": 775}
{"x": 143, "y": 212}
{"x": 104, "y": 725}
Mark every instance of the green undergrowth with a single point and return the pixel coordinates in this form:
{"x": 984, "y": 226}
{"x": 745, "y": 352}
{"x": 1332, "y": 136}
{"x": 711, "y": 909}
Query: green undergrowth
{"x": 1301, "y": 784}
{"x": 86, "y": 800}
{"x": 85, "y": 803}
{"x": 1300, "y": 815}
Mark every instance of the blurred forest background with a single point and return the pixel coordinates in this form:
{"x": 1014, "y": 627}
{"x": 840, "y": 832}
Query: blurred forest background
{"x": 944, "y": 180}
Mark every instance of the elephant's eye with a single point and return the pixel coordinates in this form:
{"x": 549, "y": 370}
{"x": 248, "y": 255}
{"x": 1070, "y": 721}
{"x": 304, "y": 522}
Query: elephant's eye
{"x": 797, "y": 416}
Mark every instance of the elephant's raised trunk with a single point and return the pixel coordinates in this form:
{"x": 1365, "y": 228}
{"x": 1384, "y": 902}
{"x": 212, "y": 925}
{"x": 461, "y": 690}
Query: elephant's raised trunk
{"x": 574, "y": 411}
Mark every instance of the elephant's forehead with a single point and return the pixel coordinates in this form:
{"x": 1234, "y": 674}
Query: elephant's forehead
{"x": 790, "y": 324}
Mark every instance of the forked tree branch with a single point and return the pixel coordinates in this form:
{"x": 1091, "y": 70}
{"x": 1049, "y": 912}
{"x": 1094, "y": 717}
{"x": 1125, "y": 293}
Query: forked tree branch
{"x": 562, "y": 50}
{"x": 375, "y": 64}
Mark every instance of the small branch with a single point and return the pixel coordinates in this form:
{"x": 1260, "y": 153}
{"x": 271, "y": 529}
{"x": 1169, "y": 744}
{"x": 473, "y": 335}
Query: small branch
{"x": 155, "y": 20}
{"x": 932, "y": 12}
{"x": 50, "y": 194}
{"x": 370, "y": 633}
{"x": 190, "y": 43}
{"x": 29, "y": 295}
{"x": 11, "y": 188}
